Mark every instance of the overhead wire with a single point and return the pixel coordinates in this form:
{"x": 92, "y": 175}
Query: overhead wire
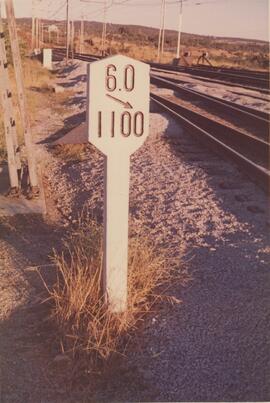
{"x": 58, "y": 10}
{"x": 123, "y": 3}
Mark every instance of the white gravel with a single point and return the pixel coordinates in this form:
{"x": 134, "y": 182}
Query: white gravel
{"x": 212, "y": 222}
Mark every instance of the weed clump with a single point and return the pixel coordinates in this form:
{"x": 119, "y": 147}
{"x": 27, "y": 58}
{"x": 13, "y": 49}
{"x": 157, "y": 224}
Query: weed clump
{"x": 84, "y": 322}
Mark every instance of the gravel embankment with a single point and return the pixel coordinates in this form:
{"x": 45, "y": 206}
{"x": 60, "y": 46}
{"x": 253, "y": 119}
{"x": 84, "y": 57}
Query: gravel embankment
{"x": 213, "y": 223}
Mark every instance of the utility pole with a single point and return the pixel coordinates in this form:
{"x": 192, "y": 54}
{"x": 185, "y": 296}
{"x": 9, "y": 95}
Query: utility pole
{"x": 160, "y": 30}
{"x": 14, "y": 163}
{"x": 179, "y": 28}
{"x": 163, "y": 27}
{"x": 33, "y": 24}
{"x": 42, "y": 34}
{"x": 104, "y": 30}
{"x": 82, "y": 35}
{"x": 36, "y": 33}
{"x": 72, "y": 28}
{"x": 40, "y": 27}
{"x": 22, "y": 97}
{"x": 67, "y": 31}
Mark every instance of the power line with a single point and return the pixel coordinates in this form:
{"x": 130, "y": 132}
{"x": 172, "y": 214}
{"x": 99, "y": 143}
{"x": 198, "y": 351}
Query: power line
{"x": 57, "y": 11}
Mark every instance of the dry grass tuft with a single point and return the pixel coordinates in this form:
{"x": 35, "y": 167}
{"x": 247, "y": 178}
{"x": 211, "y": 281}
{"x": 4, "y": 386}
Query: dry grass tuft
{"x": 71, "y": 152}
{"x": 36, "y": 75}
{"x": 86, "y": 327}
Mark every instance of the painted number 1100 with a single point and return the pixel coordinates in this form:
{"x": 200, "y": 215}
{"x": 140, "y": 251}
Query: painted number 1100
{"x": 130, "y": 124}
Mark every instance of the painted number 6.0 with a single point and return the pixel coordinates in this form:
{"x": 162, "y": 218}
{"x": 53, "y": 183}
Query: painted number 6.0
{"x": 129, "y": 78}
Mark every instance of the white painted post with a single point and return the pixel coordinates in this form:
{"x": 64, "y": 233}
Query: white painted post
{"x": 116, "y": 230}
{"x": 47, "y": 58}
{"x": 118, "y": 124}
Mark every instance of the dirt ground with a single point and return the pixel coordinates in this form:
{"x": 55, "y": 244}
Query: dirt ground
{"x": 210, "y": 220}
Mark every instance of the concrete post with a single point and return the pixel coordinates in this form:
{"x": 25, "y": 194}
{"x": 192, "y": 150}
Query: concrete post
{"x": 118, "y": 124}
{"x": 47, "y": 59}
{"x": 115, "y": 260}
{"x": 21, "y": 94}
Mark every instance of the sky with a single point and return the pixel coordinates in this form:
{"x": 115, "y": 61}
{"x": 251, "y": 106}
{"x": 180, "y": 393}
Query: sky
{"x": 232, "y": 18}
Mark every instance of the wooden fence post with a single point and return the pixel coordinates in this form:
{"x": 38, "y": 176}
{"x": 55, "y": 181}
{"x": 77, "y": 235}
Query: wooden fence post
{"x": 9, "y": 121}
{"x": 21, "y": 96}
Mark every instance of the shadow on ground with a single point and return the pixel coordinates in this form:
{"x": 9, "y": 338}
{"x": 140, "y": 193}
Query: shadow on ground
{"x": 69, "y": 123}
{"x": 219, "y": 353}
{"x": 26, "y": 334}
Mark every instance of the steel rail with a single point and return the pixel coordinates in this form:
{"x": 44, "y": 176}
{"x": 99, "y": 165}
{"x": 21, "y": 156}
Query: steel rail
{"x": 213, "y": 135}
{"x": 171, "y": 69}
{"x": 231, "y": 77}
{"x": 247, "y": 142}
{"x": 81, "y": 56}
{"x": 232, "y": 73}
{"x": 259, "y": 119}
{"x": 254, "y": 73}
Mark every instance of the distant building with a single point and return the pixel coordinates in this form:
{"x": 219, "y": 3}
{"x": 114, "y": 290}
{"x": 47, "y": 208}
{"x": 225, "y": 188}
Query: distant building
{"x": 53, "y": 28}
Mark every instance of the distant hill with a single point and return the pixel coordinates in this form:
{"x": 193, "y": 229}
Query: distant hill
{"x": 144, "y": 34}
{"x": 246, "y": 53}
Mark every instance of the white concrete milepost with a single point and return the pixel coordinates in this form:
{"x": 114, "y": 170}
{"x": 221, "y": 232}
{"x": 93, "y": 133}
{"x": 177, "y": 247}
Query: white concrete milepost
{"x": 47, "y": 58}
{"x": 118, "y": 124}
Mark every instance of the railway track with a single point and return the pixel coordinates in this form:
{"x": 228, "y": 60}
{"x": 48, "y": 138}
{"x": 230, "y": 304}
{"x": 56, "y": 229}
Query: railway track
{"x": 182, "y": 74}
{"x": 249, "y": 152}
{"x": 60, "y": 53}
{"x": 251, "y": 118}
{"x": 250, "y": 80}
{"x": 255, "y": 73}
